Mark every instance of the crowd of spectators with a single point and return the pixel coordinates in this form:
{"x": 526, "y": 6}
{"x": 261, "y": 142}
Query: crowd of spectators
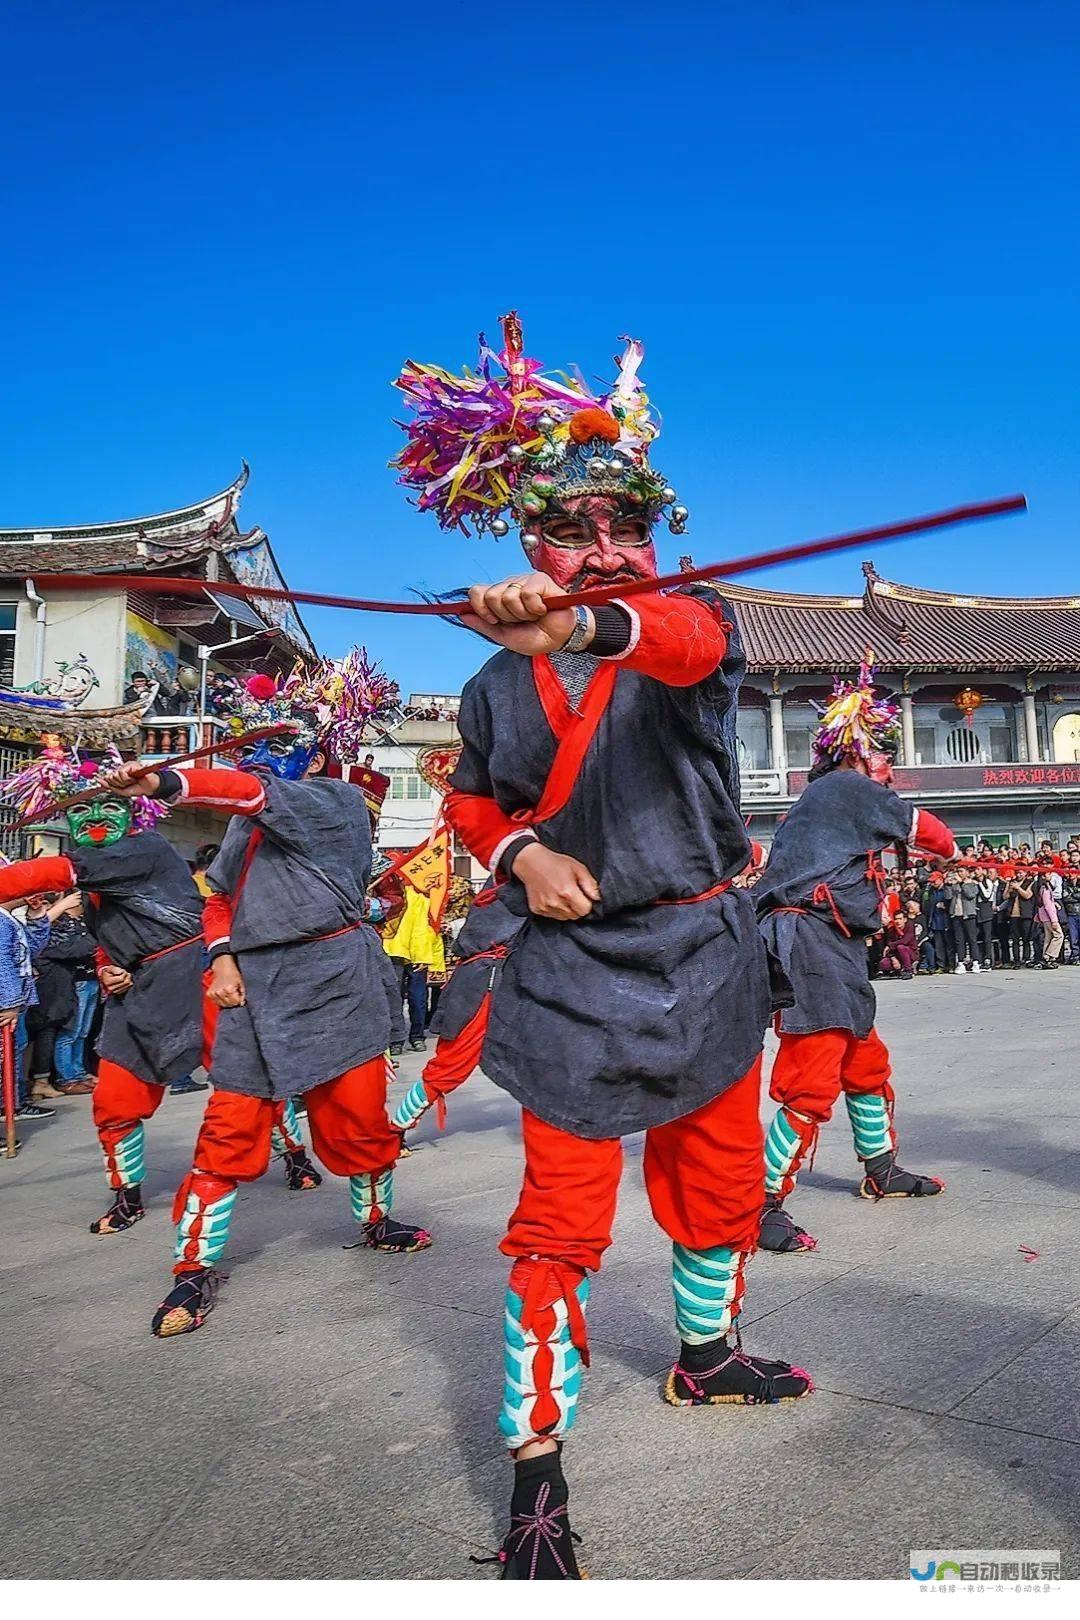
{"x": 995, "y": 909}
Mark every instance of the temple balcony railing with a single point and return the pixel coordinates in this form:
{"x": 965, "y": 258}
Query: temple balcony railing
{"x": 167, "y": 736}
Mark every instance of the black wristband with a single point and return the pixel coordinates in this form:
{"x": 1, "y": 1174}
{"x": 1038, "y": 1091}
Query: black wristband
{"x": 170, "y": 787}
{"x": 221, "y": 947}
{"x": 513, "y": 850}
{"x": 612, "y": 631}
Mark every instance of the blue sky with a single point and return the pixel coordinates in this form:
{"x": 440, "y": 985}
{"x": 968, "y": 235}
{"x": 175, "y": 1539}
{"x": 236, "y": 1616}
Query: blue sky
{"x": 847, "y": 234}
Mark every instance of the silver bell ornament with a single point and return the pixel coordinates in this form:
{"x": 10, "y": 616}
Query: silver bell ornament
{"x": 667, "y": 495}
{"x": 597, "y": 467}
{"x": 545, "y": 422}
{"x": 677, "y": 528}
{"x": 515, "y": 453}
{"x": 615, "y": 468}
{"x": 679, "y": 514}
{"x": 499, "y": 527}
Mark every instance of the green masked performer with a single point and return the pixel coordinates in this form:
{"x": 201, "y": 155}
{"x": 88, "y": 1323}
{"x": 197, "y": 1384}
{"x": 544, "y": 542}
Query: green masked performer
{"x": 145, "y": 914}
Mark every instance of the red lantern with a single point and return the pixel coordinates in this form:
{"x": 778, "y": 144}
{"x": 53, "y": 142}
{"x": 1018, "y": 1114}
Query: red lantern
{"x": 967, "y": 702}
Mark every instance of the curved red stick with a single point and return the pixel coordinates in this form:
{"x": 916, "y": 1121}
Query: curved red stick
{"x": 180, "y": 586}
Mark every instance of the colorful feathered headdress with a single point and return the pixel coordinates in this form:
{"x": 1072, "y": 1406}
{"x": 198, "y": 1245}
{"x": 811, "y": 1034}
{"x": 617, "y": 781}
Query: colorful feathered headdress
{"x": 59, "y": 772}
{"x": 856, "y": 722}
{"x": 510, "y": 438}
{"x": 334, "y": 704}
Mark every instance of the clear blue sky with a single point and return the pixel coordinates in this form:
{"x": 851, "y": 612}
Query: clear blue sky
{"x": 846, "y": 232}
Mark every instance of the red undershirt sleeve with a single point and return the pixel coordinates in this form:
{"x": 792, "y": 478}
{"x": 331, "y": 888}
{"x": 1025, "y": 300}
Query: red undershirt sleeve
{"x": 677, "y": 639}
{"x": 238, "y": 791}
{"x": 931, "y": 835}
{"x": 217, "y": 923}
{"x": 38, "y": 876}
{"x": 482, "y": 826}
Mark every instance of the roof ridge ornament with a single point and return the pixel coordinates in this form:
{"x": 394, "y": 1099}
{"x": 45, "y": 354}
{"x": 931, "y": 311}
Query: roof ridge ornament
{"x": 873, "y": 606}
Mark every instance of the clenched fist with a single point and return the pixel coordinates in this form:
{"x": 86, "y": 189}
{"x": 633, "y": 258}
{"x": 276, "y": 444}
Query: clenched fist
{"x": 114, "y": 980}
{"x": 556, "y": 885}
{"x": 515, "y": 614}
{"x": 226, "y": 983}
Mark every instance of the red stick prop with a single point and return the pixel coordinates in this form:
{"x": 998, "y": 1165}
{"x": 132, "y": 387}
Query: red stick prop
{"x": 224, "y": 746}
{"x": 7, "y": 1061}
{"x": 174, "y": 586}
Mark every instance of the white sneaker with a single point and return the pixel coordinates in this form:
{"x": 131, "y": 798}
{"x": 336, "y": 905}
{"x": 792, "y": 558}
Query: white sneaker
{"x": 975, "y": 968}
{"x": 959, "y": 968}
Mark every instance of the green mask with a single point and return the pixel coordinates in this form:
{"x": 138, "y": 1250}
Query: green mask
{"x": 105, "y": 821}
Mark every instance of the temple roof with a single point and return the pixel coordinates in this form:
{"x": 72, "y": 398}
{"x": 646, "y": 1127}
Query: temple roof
{"x": 907, "y": 628}
{"x": 213, "y": 513}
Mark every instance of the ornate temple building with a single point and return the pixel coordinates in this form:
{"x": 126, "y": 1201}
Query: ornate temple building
{"x": 989, "y": 690}
{"x": 121, "y": 663}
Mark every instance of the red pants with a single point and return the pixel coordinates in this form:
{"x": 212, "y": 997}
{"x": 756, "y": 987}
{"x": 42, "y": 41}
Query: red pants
{"x": 704, "y": 1175}
{"x": 808, "y": 1077}
{"x": 350, "y": 1132}
{"x": 120, "y": 1102}
{"x": 455, "y": 1059}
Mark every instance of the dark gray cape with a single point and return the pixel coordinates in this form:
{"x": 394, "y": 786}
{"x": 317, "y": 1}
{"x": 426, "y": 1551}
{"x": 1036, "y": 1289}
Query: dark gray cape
{"x": 641, "y": 1012}
{"x": 316, "y": 1006}
{"x": 146, "y": 901}
{"x": 832, "y": 836}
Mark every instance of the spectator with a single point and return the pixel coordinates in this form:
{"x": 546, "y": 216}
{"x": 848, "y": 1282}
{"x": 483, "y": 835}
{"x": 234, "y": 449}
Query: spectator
{"x": 1020, "y": 902}
{"x": 985, "y": 912}
{"x": 964, "y": 903}
{"x": 205, "y": 856}
{"x": 74, "y": 943}
{"x": 55, "y": 986}
{"x": 900, "y": 947}
{"x": 20, "y": 943}
{"x": 1070, "y": 899}
{"x": 1046, "y": 913}
{"x": 936, "y": 901}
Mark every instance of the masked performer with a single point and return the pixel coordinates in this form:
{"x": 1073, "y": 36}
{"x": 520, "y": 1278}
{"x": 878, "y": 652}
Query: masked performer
{"x": 145, "y": 914}
{"x": 598, "y": 777}
{"x": 296, "y": 974}
{"x": 820, "y": 900}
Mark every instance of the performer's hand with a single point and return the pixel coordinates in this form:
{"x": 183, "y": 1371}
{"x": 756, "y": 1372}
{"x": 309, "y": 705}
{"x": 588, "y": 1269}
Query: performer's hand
{"x": 9, "y": 1016}
{"x": 226, "y": 983}
{"x": 114, "y": 980}
{"x": 556, "y": 885}
{"x": 514, "y": 613}
{"x": 130, "y": 782}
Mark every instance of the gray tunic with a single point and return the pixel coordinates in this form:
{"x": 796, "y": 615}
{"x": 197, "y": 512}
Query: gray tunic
{"x": 313, "y": 971}
{"x": 643, "y": 1011}
{"x": 143, "y": 902}
{"x": 824, "y": 861}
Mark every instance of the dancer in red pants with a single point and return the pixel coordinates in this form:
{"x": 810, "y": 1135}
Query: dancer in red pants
{"x": 819, "y": 900}
{"x": 296, "y": 975}
{"x": 598, "y": 777}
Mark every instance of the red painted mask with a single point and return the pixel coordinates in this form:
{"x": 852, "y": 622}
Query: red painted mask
{"x": 592, "y": 542}
{"x": 879, "y": 767}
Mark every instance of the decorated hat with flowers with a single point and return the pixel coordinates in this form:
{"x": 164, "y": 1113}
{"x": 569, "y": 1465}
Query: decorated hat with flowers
{"x": 334, "y": 704}
{"x": 510, "y": 438}
{"x": 856, "y": 722}
{"x": 59, "y": 772}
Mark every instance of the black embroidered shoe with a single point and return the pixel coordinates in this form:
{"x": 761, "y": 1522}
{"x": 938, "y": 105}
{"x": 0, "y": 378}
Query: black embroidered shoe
{"x": 122, "y": 1213}
{"x": 392, "y": 1237}
{"x": 779, "y": 1233}
{"x": 300, "y": 1174}
{"x": 716, "y": 1375}
{"x": 884, "y": 1178}
{"x": 188, "y": 1305}
{"x": 539, "y": 1545}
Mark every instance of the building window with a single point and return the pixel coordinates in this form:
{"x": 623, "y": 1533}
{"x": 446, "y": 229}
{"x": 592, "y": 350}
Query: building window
{"x": 752, "y": 743}
{"x": 942, "y": 738}
{"x": 8, "y": 615}
{"x": 13, "y": 756}
{"x": 406, "y": 783}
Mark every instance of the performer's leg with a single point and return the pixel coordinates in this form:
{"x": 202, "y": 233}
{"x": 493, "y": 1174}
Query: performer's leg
{"x": 287, "y": 1144}
{"x": 704, "y": 1176}
{"x": 352, "y": 1136}
{"x": 454, "y": 1060}
{"x": 559, "y": 1231}
{"x": 871, "y": 1103}
{"x": 233, "y": 1145}
{"x": 120, "y": 1103}
{"x": 806, "y": 1084}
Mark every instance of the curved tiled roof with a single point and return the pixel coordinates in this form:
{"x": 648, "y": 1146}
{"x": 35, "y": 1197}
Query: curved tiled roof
{"x": 906, "y": 627}
{"x": 209, "y": 514}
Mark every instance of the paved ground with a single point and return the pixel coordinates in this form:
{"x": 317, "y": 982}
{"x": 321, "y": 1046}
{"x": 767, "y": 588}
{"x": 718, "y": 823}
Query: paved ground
{"x": 335, "y": 1418}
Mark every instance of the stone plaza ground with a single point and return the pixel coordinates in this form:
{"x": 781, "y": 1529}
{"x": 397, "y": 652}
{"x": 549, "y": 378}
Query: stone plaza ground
{"x": 336, "y": 1415}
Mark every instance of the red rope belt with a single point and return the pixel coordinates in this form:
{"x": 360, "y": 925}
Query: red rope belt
{"x": 179, "y": 946}
{"x": 821, "y": 896}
